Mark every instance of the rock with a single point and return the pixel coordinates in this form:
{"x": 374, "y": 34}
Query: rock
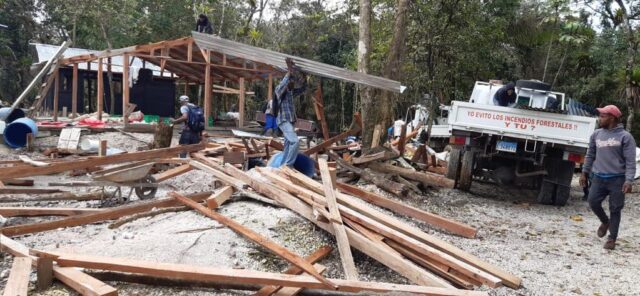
{"x": 3, "y": 220}
{"x": 128, "y": 235}
{"x": 4, "y": 273}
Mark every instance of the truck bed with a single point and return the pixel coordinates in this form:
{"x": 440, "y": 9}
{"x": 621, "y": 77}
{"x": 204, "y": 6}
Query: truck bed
{"x": 522, "y": 124}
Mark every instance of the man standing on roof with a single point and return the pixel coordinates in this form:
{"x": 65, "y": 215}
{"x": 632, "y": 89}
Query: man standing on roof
{"x": 203, "y": 25}
{"x": 611, "y": 160}
{"x": 193, "y": 119}
{"x": 293, "y": 84}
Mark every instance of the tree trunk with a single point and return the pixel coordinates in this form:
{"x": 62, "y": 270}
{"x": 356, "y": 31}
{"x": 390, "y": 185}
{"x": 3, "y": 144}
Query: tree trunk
{"x": 564, "y": 58}
{"x": 632, "y": 48}
{"x": 112, "y": 95}
{"x": 393, "y": 69}
{"x": 163, "y": 135}
{"x": 370, "y": 114}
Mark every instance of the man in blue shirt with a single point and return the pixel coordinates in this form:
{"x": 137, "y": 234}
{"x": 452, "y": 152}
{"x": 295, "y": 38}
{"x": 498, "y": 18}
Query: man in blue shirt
{"x": 293, "y": 84}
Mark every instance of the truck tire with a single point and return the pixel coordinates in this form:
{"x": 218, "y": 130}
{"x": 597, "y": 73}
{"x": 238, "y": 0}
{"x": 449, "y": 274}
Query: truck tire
{"x": 562, "y": 195}
{"x": 466, "y": 170}
{"x": 453, "y": 166}
{"x": 533, "y": 84}
{"x": 545, "y": 195}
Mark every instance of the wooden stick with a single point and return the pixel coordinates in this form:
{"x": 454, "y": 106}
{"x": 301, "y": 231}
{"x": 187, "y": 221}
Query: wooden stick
{"x": 39, "y": 211}
{"x": 257, "y": 238}
{"x": 103, "y": 148}
{"x": 211, "y": 274}
{"x": 168, "y": 174}
{"x": 452, "y": 226}
{"x": 327, "y": 143}
{"x": 18, "y": 282}
{"x": 108, "y": 214}
{"x": 219, "y": 197}
{"x": 294, "y": 270}
{"x": 328, "y": 180}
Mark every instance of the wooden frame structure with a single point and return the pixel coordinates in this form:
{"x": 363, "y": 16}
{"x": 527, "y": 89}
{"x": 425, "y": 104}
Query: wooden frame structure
{"x": 207, "y": 59}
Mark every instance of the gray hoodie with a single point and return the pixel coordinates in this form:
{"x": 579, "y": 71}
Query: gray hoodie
{"x": 611, "y": 152}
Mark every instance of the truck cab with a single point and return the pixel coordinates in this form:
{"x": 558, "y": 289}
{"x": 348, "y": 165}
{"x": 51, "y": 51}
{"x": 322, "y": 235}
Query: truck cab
{"x": 533, "y": 143}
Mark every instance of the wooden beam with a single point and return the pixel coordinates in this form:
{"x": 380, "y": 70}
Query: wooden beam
{"x": 211, "y": 274}
{"x": 294, "y": 270}
{"x": 451, "y": 226}
{"x": 190, "y": 51}
{"x": 292, "y": 291}
{"x": 125, "y": 89}
{"x": 18, "y": 282}
{"x": 219, "y": 196}
{"x": 327, "y": 143}
{"x": 43, "y": 211}
{"x": 207, "y": 94}
{"x": 329, "y": 180}
{"x": 59, "y": 167}
{"x": 44, "y": 272}
{"x": 100, "y": 100}
{"x": 426, "y": 178}
{"x": 56, "y": 94}
{"x": 257, "y": 238}
{"x": 107, "y": 214}
{"x": 319, "y": 107}
{"x": 270, "y": 87}
{"x": 241, "y": 103}
{"x": 170, "y": 173}
{"x": 83, "y": 283}
{"x": 74, "y": 92}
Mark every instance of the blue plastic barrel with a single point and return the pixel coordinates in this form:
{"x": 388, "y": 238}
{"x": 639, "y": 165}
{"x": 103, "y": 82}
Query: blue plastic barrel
{"x": 15, "y": 133}
{"x": 303, "y": 164}
{"x": 9, "y": 118}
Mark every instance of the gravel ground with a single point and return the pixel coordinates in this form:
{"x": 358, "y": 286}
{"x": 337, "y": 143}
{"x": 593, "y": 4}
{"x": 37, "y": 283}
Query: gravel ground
{"x": 554, "y": 249}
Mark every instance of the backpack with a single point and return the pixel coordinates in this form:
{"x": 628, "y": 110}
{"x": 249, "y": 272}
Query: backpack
{"x": 195, "y": 119}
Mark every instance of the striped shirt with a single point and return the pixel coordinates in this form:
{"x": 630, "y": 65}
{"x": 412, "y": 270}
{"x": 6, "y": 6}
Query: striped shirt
{"x": 285, "y": 99}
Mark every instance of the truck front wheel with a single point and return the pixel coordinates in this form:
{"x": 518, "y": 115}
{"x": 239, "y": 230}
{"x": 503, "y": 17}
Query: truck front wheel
{"x": 466, "y": 170}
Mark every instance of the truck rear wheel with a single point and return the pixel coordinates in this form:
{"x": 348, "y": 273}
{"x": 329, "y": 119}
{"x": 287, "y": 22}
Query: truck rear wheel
{"x": 556, "y": 185}
{"x": 453, "y": 166}
{"x": 466, "y": 170}
{"x": 545, "y": 195}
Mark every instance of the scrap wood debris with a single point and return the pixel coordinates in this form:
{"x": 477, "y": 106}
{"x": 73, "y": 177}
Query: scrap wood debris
{"x": 433, "y": 266}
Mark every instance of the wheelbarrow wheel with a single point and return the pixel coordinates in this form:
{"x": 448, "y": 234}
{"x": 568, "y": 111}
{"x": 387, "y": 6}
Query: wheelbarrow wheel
{"x": 146, "y": 192}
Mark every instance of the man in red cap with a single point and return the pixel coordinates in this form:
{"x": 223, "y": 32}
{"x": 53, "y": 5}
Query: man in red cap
{"x": 611, "y": 160}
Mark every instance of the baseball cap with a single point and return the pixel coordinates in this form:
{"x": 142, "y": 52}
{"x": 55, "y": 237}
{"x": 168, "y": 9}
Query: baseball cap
{"x": 610, "y": 109}
{"x": 184, "y": 98}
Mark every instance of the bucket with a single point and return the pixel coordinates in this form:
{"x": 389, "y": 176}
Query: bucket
{"x": 15, "y": 134}
{"x": 9, "y": 118}
{"x": 89, "y": 145}
{"x": 303, "y": 164}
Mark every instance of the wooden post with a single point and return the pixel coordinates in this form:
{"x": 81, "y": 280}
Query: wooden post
{"x": 241, "y": 103}
{"x": 125, "y": 88}
{"x": 56, "y": 94}
{"x": 319, "y": 104}
{"x": 103, "y": 148}
{"x": 100, "y": 90}
{"x": 207, "y": 89}
{"x": 190, "y": 51}
{"x": 44, "y": 272}
{"x": 74, "y": 92}
{"x": 29, "y": 142}
{"x": 270, "y": 88}
{"x": 186, "y": 87}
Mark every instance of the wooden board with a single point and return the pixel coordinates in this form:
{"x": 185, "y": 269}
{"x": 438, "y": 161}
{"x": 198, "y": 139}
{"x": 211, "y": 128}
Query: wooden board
{"x": 426, "y": 178}
{"x": 18, "y": 282}
{"x": 292, "y": 291}
{"x": 327, "y": 143}
{"x": 328, "y": 181}
{"x": 170, "y": 173}
{"x": 69, "y": 139}
{"x": 107, "y": 214}
{"x": 219, "y": 196}
{"x": 449, "y": 225}
{"x": 294, "y": 270}
{"x": 14, "y": 190}
{"x": 41, "y": 211}
{"x": 212, "y": 274}
{"x": 83, "y": 283}
{"x": 255, "y": 237}
{"x": 59, "y": 167}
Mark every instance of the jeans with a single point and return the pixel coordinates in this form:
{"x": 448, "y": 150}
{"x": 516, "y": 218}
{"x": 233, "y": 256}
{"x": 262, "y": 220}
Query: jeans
{"x": 188, "y": 137}
{"x": 600, "y": 189}
{"x": 290, "y": 152}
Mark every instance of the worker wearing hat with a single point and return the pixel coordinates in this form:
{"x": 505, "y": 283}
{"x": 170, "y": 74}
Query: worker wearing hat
{"x": 188, "y": 136}
{"x": 611, "y": 161}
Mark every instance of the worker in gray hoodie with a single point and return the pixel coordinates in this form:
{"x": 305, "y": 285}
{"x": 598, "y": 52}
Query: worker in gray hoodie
{"x": 611, "y": 161}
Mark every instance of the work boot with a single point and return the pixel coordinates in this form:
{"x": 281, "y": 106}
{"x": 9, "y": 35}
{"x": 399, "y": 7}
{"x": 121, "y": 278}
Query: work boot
{"x": 610, "y": 244}
{"x": 602, "y": 230}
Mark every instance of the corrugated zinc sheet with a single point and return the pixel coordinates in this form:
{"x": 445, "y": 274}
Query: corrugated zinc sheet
{"x": 265, "y": 56}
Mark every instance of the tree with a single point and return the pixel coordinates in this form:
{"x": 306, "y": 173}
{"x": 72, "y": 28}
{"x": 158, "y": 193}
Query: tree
{"x": 370, "y": 112}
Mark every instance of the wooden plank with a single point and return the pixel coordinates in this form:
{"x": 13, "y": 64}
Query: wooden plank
{"x": 18, "y": 282}
{"x": 255, "y": 237}
{"x": 219, "y": 196}
{"x": 32, "y": 162}
{"x": 411, "y": 271}
{"x": 170, "y": 173}
{"x": 125, "y": 89}
{"x": 56, "y": 94}
{"x": 327, "y": 143}
{"x": 9, "y": 190}
{"x": 102, "y": 151}
{"x": 369, "y": 158}
{"x": 294, "y": 270}
{"x": 43, "y": 211}
{"x": 13, "y": 247}
{"x": 19, "y": 182}
{"x": 207, "y": 93}
{"x": 377, "y": 131}
{"x": 212, "y": 274}
{"x": 319, "y": 107}
{"x": 329, "y": 180}
{"x": 402, "y": 141}
{"x": 82, "y": 283}
{"x": 292, "y": 291}
{"x": 44, "y": 271}
{"x": 449, "y": 225}
{"x": 59, "y": 167}
{"x": 100, "y": 90}
{"x": 107, "y": 214}
{"x": 426, "y": 178}
{"x": 74, "y": 92}
{"x": 241, "y": 98}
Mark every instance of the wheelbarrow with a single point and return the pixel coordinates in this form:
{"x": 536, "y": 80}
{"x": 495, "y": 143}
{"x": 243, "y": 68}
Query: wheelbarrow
{"x": 135, "y": 175}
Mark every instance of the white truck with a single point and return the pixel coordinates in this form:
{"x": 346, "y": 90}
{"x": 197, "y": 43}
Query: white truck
{"x": 533, "y": 143}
